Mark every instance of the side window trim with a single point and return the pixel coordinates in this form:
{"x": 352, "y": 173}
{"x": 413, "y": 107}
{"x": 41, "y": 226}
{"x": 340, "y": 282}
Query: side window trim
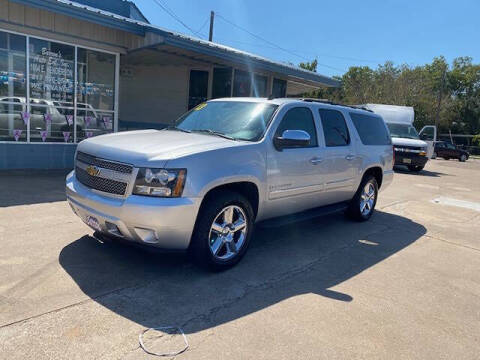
{"x": 312, "y": 114}
{"x": 349, "y": 136}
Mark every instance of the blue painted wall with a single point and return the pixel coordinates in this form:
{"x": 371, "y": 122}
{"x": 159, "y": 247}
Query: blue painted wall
{"x": 36, "y": 156}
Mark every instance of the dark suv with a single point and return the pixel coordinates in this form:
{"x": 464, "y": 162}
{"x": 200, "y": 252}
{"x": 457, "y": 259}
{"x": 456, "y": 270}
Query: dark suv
{"x": 449, "y": 151}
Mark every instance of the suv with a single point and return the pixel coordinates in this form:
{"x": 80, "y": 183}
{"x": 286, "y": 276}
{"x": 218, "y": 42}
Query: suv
{"x": 449, "y": 151}
{"x": 202, "y": 183}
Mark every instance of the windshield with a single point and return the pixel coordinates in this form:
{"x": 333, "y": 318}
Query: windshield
{"x": 235, "y": 119}
{"x": 402, "y": 131}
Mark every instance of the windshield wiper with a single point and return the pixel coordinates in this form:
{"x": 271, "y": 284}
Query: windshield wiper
{"x": 173, "y": 127}
{"x": 217, "y": 133}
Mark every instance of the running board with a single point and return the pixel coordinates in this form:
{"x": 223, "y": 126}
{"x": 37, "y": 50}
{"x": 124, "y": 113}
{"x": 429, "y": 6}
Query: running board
{"x": 304, "y": 215}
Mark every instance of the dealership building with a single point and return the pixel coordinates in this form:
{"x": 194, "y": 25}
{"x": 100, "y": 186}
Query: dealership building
{"x": 73, "y": 70}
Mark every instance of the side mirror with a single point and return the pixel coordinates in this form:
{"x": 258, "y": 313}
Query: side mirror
{"x": 291, "y": 139}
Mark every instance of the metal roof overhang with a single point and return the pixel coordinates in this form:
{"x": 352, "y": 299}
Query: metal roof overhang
{"x": 199, "y": 46}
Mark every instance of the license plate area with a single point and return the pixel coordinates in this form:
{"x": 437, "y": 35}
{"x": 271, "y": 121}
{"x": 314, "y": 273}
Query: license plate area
{"x": 93, "y": 223}
{"x": 407, "y": 161}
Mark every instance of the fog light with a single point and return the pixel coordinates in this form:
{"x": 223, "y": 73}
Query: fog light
{"x": 113, "y": 229}
{"x": 147, "y": 235}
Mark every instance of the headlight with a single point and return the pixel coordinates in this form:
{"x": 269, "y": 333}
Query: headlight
{"x": 160, "y": 182}
{"x": 423, "y": 152}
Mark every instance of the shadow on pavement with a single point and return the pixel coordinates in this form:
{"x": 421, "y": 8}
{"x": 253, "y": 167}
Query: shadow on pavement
{"x": 308, "y": 257}
{"x": 26, "y": 187}
{"x": 404, "y": 170}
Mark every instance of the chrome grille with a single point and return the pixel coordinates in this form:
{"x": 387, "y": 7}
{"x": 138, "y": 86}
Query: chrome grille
{"x": 103, "y": 175}
{"x": 101, "y": 184}
{"x": 106, "y": 164}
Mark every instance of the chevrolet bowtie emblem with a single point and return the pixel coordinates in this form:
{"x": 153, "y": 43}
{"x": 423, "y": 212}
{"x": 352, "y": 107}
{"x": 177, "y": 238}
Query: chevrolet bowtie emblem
{"x": 92, "y": 170}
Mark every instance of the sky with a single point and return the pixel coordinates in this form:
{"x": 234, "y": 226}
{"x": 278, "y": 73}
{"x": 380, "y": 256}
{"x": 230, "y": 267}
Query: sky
{"x": 338, "y": 33}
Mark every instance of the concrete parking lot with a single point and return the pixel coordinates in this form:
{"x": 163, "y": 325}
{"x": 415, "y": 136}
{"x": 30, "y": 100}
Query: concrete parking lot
{"x": 404, "y": 285}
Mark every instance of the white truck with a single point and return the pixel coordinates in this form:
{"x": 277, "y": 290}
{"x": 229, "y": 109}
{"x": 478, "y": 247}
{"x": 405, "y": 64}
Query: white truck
{"x": 412, "y": 149}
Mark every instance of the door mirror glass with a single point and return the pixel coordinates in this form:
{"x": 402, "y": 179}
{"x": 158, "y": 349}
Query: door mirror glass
{"x": 292, "y": 139}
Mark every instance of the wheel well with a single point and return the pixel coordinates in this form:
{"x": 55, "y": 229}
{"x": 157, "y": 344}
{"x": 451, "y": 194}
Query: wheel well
{"x": 245, "y": 188}
{"x": 377, "y": 173}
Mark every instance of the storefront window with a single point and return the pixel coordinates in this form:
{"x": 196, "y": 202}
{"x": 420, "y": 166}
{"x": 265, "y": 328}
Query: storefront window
{"x": 260, "y": 86}
{"x": 52, "y": 74}
{"x": 242, "y": 84}
{"x": 96, "y": 79}
{"x": 95, "y": 93}
{"x": 12, "y": 87}
{"x": 69, "y": 98}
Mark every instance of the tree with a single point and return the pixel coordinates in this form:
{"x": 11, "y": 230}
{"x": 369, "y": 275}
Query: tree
{"x": 311, "y": 66}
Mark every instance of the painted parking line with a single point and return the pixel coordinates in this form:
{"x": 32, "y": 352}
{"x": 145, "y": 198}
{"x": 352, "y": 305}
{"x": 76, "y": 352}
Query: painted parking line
{"x": 442, "y": 200}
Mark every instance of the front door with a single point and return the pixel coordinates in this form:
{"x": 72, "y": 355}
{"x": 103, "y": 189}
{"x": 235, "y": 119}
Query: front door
{"x": 198, "y": 88}
{"x": 294, "y": 177}
{"x": 429, "y": 135}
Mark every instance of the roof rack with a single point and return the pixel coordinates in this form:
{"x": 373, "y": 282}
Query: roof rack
{"x": 329, "y": 102}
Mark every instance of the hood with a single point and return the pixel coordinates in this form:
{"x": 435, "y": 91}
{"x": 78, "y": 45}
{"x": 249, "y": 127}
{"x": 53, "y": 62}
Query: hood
{"x": 142, "y": 147}
{"x": 408, "y": 142}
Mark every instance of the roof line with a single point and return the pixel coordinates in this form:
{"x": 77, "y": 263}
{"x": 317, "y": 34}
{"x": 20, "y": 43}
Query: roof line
{"x": 105, "y": 18}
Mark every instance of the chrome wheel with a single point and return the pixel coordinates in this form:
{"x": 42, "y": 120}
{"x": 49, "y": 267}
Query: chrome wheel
{"x": 367, "y": 199}
{"x": 228, "y": 232}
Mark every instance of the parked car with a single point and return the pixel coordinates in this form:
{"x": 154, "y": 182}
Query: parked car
{"x": 11, "y": 109}
{"x": 449, "y": 151}
{"x": 412, "y": 148}
{"x": 202, "y": 184}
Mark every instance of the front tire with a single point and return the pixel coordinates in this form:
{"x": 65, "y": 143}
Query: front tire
{"x": 222, "y": 232}
{"x": 463, "y": 158}
{"x": 434, "y": 155}
{"x": 363, "y": 203}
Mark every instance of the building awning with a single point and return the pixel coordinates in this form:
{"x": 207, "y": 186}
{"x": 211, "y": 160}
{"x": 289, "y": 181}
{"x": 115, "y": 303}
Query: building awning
{"x": 165, "y": 37}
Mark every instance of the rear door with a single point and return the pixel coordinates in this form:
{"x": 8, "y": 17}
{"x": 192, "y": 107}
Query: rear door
{"x": 339, "y": 156}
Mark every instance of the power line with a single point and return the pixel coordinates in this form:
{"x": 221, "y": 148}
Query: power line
{"x": 301, "y": 51}
{"x": 199, "y": 31}
{"x": 273, "y": 44}
{"x": 175, "y": 17}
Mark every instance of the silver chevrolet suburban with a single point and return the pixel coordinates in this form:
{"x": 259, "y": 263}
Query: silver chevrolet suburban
{"x": 202, "y": 183}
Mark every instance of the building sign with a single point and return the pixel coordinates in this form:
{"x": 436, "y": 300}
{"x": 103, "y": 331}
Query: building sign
{"x": 51, "y": 74}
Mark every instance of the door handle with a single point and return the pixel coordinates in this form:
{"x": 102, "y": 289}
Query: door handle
{"x": 350, "y": 157}
{"x": 316, "y": 160}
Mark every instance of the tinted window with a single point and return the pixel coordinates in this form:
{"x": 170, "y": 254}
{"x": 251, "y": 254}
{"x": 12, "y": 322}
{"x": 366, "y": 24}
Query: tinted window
{"x": 260, "y": 86}
{"x": 222, "y": 82}
{"x": 334, "y": 128}
{"x": 279, "y": 89}
{"x": 299, "y": 118}
{"x": 241, "y": 83}
{"x": 371, "y": 129}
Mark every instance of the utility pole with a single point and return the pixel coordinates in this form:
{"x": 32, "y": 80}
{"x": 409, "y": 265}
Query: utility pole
{"x": 210, "y": 34}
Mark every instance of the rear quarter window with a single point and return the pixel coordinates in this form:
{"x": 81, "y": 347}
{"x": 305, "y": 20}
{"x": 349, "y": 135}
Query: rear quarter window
{"x": 372, "y": 129}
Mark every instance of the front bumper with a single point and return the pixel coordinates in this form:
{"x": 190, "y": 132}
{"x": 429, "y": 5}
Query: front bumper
{"x": 410, "y": 159}
{"x": 165, "y": 223}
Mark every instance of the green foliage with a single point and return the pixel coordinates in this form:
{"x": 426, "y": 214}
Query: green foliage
{"x": 311, "y": 66}
{"x": 442, "y": 94}
{"x": 476, "y": 140}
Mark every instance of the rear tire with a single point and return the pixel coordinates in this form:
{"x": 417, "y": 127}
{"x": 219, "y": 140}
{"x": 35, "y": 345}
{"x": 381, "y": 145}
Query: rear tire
{"x": 362, "y": 206}
{"x": 415, "y": 168}
{"x": 215, "y": 243}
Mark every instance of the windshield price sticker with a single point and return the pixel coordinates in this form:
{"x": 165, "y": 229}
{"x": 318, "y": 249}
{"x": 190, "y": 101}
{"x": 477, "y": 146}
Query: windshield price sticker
{"x": 200, "y": 106}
